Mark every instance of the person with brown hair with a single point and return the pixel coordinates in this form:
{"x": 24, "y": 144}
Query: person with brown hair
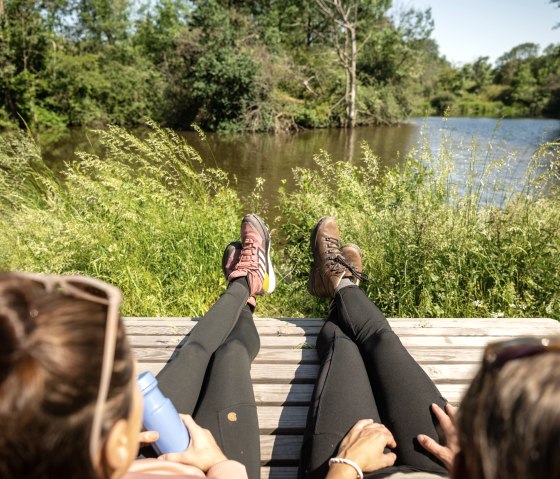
{"x": 69, "y": 402}
{"x": 508, "y": 425}
{"x": 375, "y": 411}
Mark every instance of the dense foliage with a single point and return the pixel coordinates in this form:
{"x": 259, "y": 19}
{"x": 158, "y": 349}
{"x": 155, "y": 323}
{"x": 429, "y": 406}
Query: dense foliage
{"x": 248, "y": 64}
{"x": 151, "y": 220}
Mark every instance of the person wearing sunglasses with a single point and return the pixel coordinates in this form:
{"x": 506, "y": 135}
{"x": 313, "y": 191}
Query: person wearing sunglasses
{"x": 69, "y": 401}
{"x": 374, "y": 411}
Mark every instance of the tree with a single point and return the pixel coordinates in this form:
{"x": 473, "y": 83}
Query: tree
{"x": 478, "y": 74}
{"x": 24, "y": 52}
{"x": 102, "y": 21}
{"x": 509, "y": 63}
{"x": 344, "y": 17}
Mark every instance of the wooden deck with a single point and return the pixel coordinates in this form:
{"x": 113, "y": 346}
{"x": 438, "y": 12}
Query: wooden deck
{"x": 286, "y": 367}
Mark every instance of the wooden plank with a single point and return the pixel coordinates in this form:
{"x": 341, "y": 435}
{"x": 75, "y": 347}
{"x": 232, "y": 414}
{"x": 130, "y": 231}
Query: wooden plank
{"x": 453, "y": 392}
{"x": 307, "y": 373}
{"x": 300, "y": 394}
{"x": 278, "y": 472}
{"x": 282, "y": 420}
{"x": 264, "y": 373}
{"x": 283, "y": 394}
{"x": 452, "y": 322}
{"x": 285, "y": 369}
{"x": 278, "y": 330}
{"x": 266, "y": 355}
{"x": 299, "y": 342}
{"x": 309, "y": 356}
{"x": 401, "y": 330}
{"x": 280, "y": 449}
{"x": 284, "y": 373}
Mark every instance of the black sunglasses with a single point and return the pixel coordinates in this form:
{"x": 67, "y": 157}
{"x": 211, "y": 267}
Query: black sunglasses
{"x": 499, "y": 353}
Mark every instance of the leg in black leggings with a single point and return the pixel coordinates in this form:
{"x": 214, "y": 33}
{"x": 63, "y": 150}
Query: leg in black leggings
{"x": 342, "y": 396}
{"x": 210, "y": 376}
{"x": 181, "y": 379}
{"x": 403, "y": 391}
{"x": 227, "y": 402}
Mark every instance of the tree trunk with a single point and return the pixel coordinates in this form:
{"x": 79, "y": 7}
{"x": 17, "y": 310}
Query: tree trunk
{"x": 347, "y": 89}
{"x": 343, "y": 17}
{"x": 352, "y": 74}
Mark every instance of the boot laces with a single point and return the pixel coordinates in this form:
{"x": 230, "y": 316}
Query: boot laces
{"x": 248, "y": 258}
{"x": 333, "y": 252}
{"x": 336, "y": 262}
{"x": 353, "y": 270}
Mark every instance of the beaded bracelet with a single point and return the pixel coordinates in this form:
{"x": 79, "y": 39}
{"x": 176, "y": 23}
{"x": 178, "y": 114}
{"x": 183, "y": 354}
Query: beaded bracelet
{"x": 340, "y": 460}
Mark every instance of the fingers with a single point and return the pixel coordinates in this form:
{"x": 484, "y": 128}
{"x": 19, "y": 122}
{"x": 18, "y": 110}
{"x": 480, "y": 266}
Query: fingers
{"x": 147, "y": 437}
{"x": 375, "y": 428}
{"x": 428, "y": 443}
{"x": 391, "y": 440}
{"x": 441, "y": 452}
{"x": 388, "y": 459}
{"x": 172, "y": 456}
{"x": 189, "y": 422}
{"x": 362, "y": 423}
{"x": 446, "y": 422}
{"x": 451, "y": 411}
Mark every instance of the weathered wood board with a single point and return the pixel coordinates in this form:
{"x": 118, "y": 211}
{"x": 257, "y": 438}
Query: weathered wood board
{"x": 283, "y": 373}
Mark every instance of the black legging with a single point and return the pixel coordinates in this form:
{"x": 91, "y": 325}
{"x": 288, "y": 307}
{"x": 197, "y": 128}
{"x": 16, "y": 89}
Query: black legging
{"x": 210, "y": 376}
{"x": 367, "y": 373}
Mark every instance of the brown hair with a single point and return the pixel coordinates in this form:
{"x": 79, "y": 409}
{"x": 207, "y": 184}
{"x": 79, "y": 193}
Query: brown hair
{"x": 51, "y": 349}
{"x": 509, "y": 421}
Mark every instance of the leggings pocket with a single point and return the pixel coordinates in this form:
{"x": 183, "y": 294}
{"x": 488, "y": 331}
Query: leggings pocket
{"x": 239, "y": 432}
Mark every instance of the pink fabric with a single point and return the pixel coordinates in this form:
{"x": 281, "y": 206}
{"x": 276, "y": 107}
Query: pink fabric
{"x": 151, "y": 468}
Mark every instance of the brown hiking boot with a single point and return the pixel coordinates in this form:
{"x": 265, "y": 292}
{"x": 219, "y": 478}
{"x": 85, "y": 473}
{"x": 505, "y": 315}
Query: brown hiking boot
{"x": 329, "y": 266}
{"x": 353, "y": 256}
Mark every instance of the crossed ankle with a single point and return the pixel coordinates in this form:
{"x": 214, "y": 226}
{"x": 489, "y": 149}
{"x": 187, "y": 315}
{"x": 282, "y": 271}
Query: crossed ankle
{"x": 344, "y": 283}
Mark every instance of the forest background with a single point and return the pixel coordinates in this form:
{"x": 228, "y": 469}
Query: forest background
{"x": 257, "y": 65}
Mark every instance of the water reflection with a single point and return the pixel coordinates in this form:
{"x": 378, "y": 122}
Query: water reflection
{"x": 272, "y": 157}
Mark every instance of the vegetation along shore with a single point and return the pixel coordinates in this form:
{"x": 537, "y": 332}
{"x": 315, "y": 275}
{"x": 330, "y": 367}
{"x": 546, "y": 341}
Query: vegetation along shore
{"x": 151, "y": 219}
{"x": 258, "y": 65}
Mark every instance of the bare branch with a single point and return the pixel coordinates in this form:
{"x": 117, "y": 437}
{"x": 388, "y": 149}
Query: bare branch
{"x": 364, "y": 42}
{"x": 325, "y": 9}
{"x": 308, "y": 87}
{"x": 337, "y": 103}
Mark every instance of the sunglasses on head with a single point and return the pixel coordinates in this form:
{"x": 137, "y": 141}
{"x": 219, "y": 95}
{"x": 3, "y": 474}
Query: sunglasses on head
{"x": 96, "y": 291}
{"x": 499, "y": 353}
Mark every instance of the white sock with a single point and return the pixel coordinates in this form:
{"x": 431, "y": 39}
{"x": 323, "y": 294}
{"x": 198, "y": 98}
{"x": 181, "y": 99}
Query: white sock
{"x": 343, "y": 283}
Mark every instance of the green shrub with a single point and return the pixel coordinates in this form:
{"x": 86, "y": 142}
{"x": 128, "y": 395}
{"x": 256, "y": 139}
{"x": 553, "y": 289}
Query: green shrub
{"x": 313, "y": 116}
{"x": 149, "y": 218}
{"x": 140, "y": 218}
{"x": 431, "y": 251}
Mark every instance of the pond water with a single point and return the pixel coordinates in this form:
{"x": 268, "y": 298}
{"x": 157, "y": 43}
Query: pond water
{"x": 272, "y": 157}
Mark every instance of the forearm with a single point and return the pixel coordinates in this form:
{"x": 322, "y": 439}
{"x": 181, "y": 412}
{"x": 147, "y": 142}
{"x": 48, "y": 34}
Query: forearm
{"x": 227, "y": 470}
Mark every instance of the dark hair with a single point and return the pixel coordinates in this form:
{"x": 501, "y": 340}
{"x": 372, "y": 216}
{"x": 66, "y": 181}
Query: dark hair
{"x": 509, "y": 421}
{"x": 51, "y": 350}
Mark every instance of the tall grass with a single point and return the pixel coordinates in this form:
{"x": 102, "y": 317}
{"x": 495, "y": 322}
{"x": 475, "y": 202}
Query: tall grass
{"x": 151, "y": 219}
{"x": 433, "y": 243}
{"x": 141, "y": 218}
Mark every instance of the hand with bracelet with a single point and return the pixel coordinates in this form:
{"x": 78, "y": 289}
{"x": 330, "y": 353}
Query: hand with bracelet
{"x": 362, "y": 450}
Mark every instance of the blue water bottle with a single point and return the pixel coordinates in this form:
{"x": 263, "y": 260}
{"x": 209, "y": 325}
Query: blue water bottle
{"x": 160, "y": 415}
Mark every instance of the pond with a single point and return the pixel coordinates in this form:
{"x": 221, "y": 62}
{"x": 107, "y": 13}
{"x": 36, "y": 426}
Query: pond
{"x": 272, "y": 157}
